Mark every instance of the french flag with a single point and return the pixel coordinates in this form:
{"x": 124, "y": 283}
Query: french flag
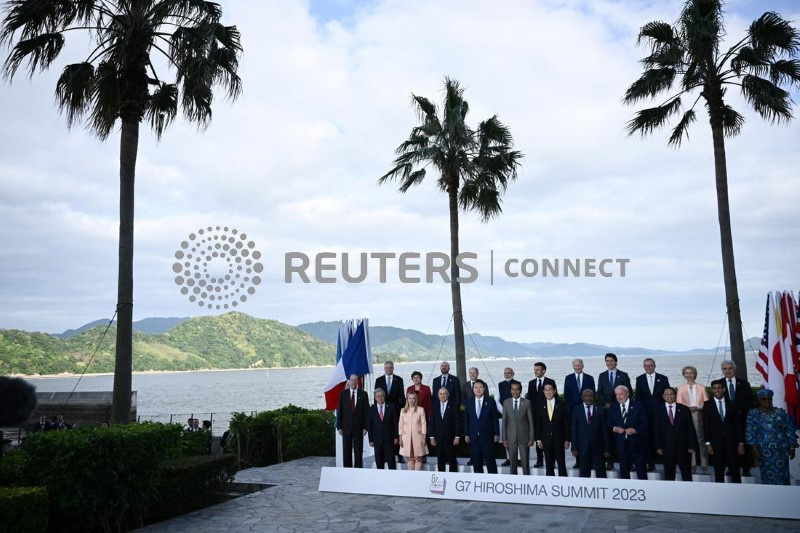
{"x": 353, "y": 356}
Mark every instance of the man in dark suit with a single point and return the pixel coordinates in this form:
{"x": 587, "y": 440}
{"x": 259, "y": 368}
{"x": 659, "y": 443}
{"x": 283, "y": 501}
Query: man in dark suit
{"x": 552, "y": 431}
{"x": 590, "y": 437}
{"x": 518, "y": 429}
{"x": 481, "y": 429}
{"x": 739, "y": 392}
{"x": 724, "y": 434}
{"x": 466, "y": 387}
{"x": 574, "y": 385}
{"x": 628, "y": 422}
{"x": 382, "y": 429}
{"x": 395, "y": 394}
{"x": 352, "y": 417}
{"x": 444, "y": 430}
{"x": 606, "y": 382}
{"x": 674, "y": 436}
{"x": 503, "y": 394}
{"x": 449, "y": 382}
{"x": 535, "y": 395}
{"x": 650, "y": 388}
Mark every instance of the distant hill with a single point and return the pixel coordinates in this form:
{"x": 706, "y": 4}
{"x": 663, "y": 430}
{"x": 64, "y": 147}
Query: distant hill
{"x": 232, "y": 340}
{"x": 150, "y": 326}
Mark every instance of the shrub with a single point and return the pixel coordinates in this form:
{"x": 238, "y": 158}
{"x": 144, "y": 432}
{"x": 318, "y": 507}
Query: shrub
{"x": 282, "y": 435}
{"x": 23, "y": 509}
{"x": 11, "y": 468}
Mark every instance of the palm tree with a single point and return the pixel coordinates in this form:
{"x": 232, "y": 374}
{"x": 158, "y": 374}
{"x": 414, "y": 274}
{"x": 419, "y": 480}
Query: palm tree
{"x": 118, "y": 81}
{"x": 474, "y": 168}
{"x": 689, "y": 56}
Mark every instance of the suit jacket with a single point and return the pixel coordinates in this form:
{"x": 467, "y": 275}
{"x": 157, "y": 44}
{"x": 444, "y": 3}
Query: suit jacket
{"x": 453, "y": 386}
{"x": 350, "y": 421}
{"x": 557, "y": 428}
{"x": 396, "y": 396}
{"x": 643, "y": 395}
{"x": 674, "y": 438}
{"x": 722, "y": 434}
{"x": 744, "y": 395}
{"x": 413, "y": 431}
{"x": 536, "y": 395}
{"x": 381, "y": 431}
{"x": 466, "y": 391}
{"x": 504, "y": 393}
{"x": 636, "y": 419}
{"x": 571, "y": 393}
{"x": 589, "y": 437}
{"x": 518, "y": 428}
{"x": 605, "y": 390}
{"x": 486, "y": 425}
{"x": 447, "y": 428}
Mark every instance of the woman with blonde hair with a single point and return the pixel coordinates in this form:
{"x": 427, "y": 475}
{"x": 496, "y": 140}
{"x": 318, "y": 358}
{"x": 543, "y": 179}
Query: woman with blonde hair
{"x": 412, "y": 430}
{"x": 693, "y": 395}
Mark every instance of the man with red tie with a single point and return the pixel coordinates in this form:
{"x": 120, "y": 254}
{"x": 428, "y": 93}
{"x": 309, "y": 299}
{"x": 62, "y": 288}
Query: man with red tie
{"x": 382, "y": 429}
{"x": 351, "y": 422}
{"x": 674, "y": 436}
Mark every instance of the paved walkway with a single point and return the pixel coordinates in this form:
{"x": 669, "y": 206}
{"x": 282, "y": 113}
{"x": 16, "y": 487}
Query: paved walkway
{"x": 295, "y": 505}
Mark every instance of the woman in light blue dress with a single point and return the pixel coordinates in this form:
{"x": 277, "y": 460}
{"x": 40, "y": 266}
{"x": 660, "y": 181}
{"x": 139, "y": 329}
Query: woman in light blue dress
{"x": 772, "y": 435}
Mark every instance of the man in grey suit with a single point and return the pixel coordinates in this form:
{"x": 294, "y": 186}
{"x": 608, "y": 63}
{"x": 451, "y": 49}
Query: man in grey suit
{"x": 518, "y": 429}
{"x": 466, "y": 388}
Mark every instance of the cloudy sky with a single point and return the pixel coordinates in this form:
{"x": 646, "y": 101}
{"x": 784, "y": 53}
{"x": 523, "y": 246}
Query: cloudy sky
{"x": 294, "y": 164}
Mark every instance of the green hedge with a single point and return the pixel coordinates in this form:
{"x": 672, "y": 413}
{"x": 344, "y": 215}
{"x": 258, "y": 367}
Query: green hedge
{"x": 11, "y": 468}
{"x": 192, "y": 483}
{"x": 282, "y": 435}
{"x": 23, "y": 509}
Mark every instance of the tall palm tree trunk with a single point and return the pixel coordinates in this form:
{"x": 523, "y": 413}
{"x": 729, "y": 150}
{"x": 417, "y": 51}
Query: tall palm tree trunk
{"x": 128, "y": 148}
{"x": 726, "y": 238}
{"x": 455, "y": 286}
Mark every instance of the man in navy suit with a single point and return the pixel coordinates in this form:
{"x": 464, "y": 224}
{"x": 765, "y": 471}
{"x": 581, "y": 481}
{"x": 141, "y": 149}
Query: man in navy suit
{"x": 444, "y": 430}
{"x": 552, "y": 431}
{"x": 382, "y": 430}
{"x": 481, "y": 429}
{"x": 352, "y": 416}
{"x": 739, "y": 392}
{"x": 606, "y": 382}
{"x": 503, "y": 394}
{"x": 535, "y": 395}
{"x": 628, "y": 422}
{"x": 590, "y": 437}
{"x": 674, "y": 436}
{"x": 395, "y": 394}
{"x": 650, "y": 388}
{"x": 724, "y": 434}
{"x": 574, "y": 385}
{"x": 449, "y": 382}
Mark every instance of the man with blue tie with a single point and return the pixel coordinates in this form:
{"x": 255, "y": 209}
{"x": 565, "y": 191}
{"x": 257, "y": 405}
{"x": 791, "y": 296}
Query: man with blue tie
{"x": 449, "y": 382}
{"x": 590, "y": 438}
{"x": 724, "y": 434}
{"x": 481, "y": 429}
{"x": 628, "y": 422}
{"x": 444, "y": 430}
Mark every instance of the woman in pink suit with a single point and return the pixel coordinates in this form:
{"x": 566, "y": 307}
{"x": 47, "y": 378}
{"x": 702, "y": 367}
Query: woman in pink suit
{"x": 693, "y": 395}
{"x": 412, "y": 430}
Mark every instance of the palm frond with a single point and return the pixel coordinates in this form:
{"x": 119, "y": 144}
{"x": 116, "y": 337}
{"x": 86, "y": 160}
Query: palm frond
{"x": 752, "y": 60}
{"x": 74, "y": 90}
{"x": 658, "y": 34}
{"x": 681, "y": 128}
{"x": 39, "y": 51}
{"x": 769, "y": 100}
{"x": 670, "y": 56}
{"x": 647, "y": 120}
{"x": 482, "y": 196}
{"x": 770, "y": 32}
{"x": 106, "y": 99}
{"x": 785, "y": 71}
{"x": 650, "y": 83}
{"x": 701, "y": 27}
{"x": 732, "y": 121}
{"x": 162, "y": 108}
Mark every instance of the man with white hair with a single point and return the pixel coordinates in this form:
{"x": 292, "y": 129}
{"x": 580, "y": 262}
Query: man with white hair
{"x": 628, "y": 422}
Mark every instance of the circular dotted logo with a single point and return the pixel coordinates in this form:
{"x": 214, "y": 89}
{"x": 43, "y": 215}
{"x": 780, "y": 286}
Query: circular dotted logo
{"x": 218, "y": 267}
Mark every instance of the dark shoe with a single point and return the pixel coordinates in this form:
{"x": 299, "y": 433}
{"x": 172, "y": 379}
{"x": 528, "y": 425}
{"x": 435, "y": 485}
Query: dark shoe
{"x": 651, "y": 468}
{"x": 576, "y": 465}
{"x": 609, "y": 466}
{"x": 424, "y": 459}
{"x": 746, "y": 472}
{"x": 469, "y": 463}
{"x": 538, "y": 465}
{"x": 400, "y": 459}
{"x": 506, "y": 463}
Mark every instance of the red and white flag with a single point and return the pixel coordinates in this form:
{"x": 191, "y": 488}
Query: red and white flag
{"x": 777, "y": 360}
{"x": 788, "y": 331}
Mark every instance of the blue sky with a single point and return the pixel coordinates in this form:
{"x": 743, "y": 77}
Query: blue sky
{"x": 294, "y": 164}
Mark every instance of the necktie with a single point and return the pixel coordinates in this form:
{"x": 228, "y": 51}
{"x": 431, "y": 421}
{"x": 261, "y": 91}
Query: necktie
{"x": 550, "y": 409}
{"x": 624, "y": 414}
{"x": 381, "y": 413}
{"x": 612, "y": 378}
{"x": 478, "y": 407}
{"x": 721, "y": 409}
{"x": 671, "y": 416}
{"x": 538, "y": 384}
{"x": 580, "y": 379}
{"x": 589, "y": 414}
{"x": 731, "y": 390}
{"x": 516, "y": 408}
{"x": 442, "y": 409}
{"x": 444, "y": 381}
{"x": 650, "y": 378}
{"x": 353, "y": 401}
{"x": 388, "y": 384}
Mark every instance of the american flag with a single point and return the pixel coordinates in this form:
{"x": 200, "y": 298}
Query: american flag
{"x": 762, "y": 358}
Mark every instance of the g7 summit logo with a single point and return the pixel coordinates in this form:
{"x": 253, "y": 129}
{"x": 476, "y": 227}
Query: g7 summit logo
{"x": 438, "y": 484}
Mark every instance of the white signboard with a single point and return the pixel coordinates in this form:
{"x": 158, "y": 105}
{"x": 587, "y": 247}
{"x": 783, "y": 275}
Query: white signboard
{"x": 767, "y": 501}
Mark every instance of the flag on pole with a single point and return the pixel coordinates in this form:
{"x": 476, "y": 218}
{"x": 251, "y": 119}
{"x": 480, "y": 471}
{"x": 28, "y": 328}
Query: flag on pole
{"x": 353, "y": 356}
{"x": 762, "y": 357}
{"x": 790, "y": 353}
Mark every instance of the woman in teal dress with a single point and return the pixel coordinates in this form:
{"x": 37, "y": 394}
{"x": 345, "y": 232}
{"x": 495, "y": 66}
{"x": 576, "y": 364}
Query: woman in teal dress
{"x": 771, "y": 433}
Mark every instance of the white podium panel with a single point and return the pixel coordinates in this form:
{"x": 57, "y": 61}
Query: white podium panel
{"x": 730, "y": 499}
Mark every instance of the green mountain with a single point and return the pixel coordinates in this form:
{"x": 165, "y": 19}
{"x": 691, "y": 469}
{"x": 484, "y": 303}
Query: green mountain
{"x": 232, "y": 340}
